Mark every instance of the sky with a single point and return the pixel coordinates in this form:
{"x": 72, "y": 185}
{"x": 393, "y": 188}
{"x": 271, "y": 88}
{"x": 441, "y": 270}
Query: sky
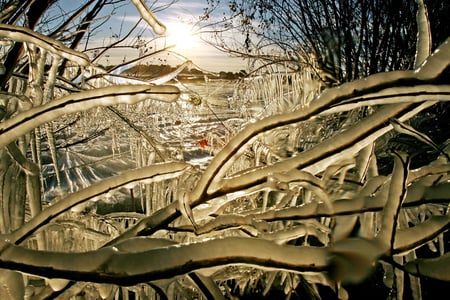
{"x": 179, "y": 19}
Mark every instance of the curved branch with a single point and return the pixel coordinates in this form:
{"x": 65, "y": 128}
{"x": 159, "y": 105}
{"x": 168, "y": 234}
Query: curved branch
{"x": 149, "y": 17}
{"x": 141, "y": 260}
{"x": 410, "y": 94}
{"x": 111, "y": 265}
{"x": 151, "y": 173}
{"x": 22, "y": 34}
{"x": 397, "y": 195}
{"x": 436, "y": 268}
{"x": 128, "y": 94}
{"x": 414, "y": 237}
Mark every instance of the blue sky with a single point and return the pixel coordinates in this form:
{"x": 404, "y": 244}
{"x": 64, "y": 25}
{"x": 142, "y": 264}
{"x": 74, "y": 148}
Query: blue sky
{"x": 179, "y": 19}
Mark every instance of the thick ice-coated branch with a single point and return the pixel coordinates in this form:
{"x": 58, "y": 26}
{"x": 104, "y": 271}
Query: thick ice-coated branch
{"x": 22, "y": 123}
{"x": 23, "y": 34}
{"x": 206, "y": 284}
{"x": 358, "y": 204}
{"x": 230, "y": 221}
{"x": 436, "y": 268}
{"x": 396, "y": 196}
{"x": 410, "y": 94}
{"x": 423, "y": 47}
{"x": 257, "y": 228}
{"x": 407, "y": 239}
{"x": 151, "y": 173}
{"x": 149, "y": 17}
{"x": 111, "y": 265}
{"x": 431, "y": 169}
{"x": 152, "y": 223}
{"x": 140, "y": 260}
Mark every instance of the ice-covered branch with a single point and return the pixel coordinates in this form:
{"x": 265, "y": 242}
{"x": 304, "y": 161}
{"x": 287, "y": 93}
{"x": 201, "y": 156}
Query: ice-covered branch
{"x": 141, "y": 260}
{"x": 423, "y": 44}
{"x": 149, "y": 17}
{"x": 151, "y": 173}
{"x": 436, "y": 268}
{"x": 410, "y": 94}
{"x": 407, "y": 239}
{"x": 127, "y": 94}
{"x": 396, "y": 196}
{"x": 23, "y": 34}
{"x": 112, "y": 265}
{"x": 367, "y": 200}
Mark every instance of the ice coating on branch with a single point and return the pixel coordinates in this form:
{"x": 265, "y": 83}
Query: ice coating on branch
{"x": 149, "y": 17}
{"x": 165, "y": 170}
{"x": 128, "y": 94}
{"x": 422, "y": 232}
{"x": 167, "y": 77}
{"x": 108, "y": 266}
{"x": 397, "y": 194}
{"x": 437, "y": 268}
{"x": 423, "y": 48}
{"x": 22, "y": 34}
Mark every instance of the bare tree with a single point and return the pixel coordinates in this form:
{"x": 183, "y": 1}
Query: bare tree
{"x": 349, "y": 39}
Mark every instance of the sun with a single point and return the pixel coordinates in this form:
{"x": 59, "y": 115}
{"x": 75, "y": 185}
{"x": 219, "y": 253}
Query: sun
{"x": 181, "y": 36}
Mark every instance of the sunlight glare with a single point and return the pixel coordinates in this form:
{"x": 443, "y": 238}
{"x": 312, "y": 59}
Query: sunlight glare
{"x": 180, "y": 35}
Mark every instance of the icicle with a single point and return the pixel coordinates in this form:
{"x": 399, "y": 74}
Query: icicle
{"x": 265, "y": 200}
{"x": 52, "y": 147}
{"x": 51, "y": 79}
{"x": 131, "y": 146}
{"x": 158, "y": 196}
{"x": 148, "y": 199}
{"x": 114, "y": 143}
{"x": 17, "y": 205}
{"x": 138, "y": 155}
{"x": 415, "y": 284}
{"x": 397, "y": 194}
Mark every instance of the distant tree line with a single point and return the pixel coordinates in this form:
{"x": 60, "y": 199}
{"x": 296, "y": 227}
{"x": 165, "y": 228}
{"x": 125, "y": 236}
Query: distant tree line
{"x": 154, "y": 70}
